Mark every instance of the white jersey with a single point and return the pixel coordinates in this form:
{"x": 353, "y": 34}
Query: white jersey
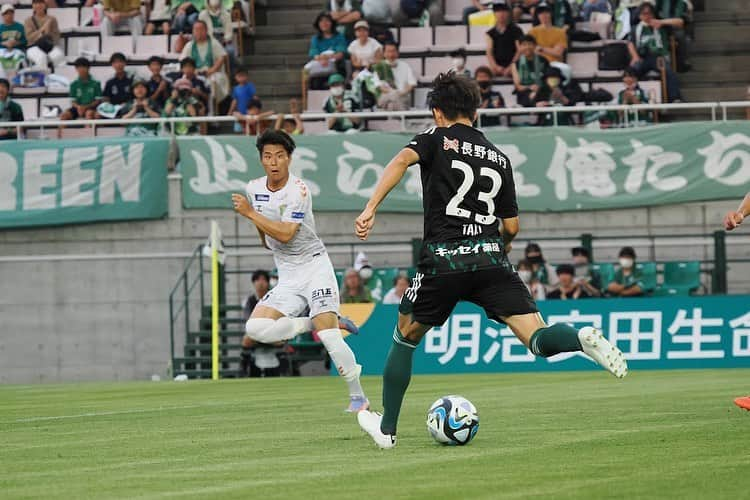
{"x": 292, "y": 203}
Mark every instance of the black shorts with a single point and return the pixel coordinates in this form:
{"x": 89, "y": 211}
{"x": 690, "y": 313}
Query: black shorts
{"x": 499, "y": 291}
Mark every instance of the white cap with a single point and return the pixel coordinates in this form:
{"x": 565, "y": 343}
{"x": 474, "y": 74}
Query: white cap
{"x": 6, "y": 7}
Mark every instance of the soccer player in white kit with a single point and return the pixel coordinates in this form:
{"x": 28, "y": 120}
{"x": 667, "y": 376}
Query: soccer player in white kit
{"x": 280, "y": 206}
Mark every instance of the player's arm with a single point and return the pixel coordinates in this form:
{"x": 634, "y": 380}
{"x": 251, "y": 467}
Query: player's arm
{"x": 262, "y": 236}
{"x": 510, "y": 228}
{"x": 734, "y": 219}
{"x": 278, "y": 230}
{"x": 392, "y": 175}
{"x": 631, "y": 290}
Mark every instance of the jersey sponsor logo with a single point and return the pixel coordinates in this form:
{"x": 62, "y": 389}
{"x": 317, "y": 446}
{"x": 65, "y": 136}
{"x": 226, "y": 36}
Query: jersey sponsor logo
{"x": 450, "y": 144}
{"x": 262, "y": 197}
{"x": 298, "y": 215}
{"x": 320, "y": 293}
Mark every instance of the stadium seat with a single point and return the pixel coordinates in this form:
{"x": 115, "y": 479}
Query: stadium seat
{"x": 662, "y": 291}
{"x": 316, "y": 127}
{"x": 450, "y": 37}
{"x": 416, "y": 65}
{"x": 420, "y": 97}
{"x": 507, "y": 92}
{"x": 77, "y": 133}
{"x": 473, "y": 62}
{"x": 525, "y": 27}
{"x": 30, "y": 107}
{"x": 435, "y": 65}
{"x": 606, "y": 271}
{"x": 583, "y": 64}
{"x": 102, "y": 73}
{"x": 118, "y": 43}
{"x": 477, "y": 38}
{"x": 315, "y": 100}
{"x": 648, "y": 272}
{"x": 76, "y": 45}
{"x": 153, "y": 45}
{"x": 67, "y": 70}
{"x": 22, "y": 15}
{"x": 110, "y": 131}
{"x": 67, "y": 18}
{"x": 385, "y": 125}
{"x": 417, "y": 39}
{"x": 454, "y": 10}
{"x": 686, "y": 275}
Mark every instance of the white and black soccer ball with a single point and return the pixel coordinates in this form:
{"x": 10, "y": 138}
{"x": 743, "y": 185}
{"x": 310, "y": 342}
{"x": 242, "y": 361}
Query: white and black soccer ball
{"x": 453, "y": 420}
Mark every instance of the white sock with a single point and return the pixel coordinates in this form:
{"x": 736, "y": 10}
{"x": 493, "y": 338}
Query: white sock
{"x": 343, "y": 357}
{"x": 269, "y": 331}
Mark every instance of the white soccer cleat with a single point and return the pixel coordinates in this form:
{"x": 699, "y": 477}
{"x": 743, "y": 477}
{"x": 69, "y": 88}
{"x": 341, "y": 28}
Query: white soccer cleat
{"x": 370, "y": 423}
{"x": 605, "y": 354}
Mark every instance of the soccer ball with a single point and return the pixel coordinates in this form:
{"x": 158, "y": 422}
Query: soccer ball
{"x": 453, "y": 420}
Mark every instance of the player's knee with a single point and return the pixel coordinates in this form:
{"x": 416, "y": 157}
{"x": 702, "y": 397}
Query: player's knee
{"x": 257, "y": 329}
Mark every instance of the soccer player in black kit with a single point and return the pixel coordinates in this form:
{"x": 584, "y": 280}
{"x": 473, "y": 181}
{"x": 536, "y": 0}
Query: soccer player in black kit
{"x": 470, "y": 220}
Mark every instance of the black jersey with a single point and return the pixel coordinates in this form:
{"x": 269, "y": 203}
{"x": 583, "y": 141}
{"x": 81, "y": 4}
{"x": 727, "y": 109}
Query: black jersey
{"x": 467, "y": 187}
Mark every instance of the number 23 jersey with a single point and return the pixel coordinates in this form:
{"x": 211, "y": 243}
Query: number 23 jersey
{"x": 467, "y": 188}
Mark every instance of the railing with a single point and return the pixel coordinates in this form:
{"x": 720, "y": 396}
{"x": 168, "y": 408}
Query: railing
{"x": 185, "y": 287}
{"x": 716, "y": 111}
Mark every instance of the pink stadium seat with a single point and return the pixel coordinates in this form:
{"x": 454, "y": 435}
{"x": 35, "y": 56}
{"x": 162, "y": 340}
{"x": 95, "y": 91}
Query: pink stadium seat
{"x": 67, "y": 18}
{"x": 315, "y": 100}
{"x": 77, "y": 133}
{"x": 30, "y": 107}
{"x": 63, "y": 102}
{"x": 394, "y": 32}
{"x": 415, "y": 39}
{"x": 473, "y": 62}
{"x": 83, "y": 43}
{"x": 450, "y": 37}
{"x": 478, "y": 37}
{"x": 415, "y": 63}
{"x": 119, "y": 43}
{"x": 435, "y": 65}
{"x": 454, "y": 9}
{"x": 420, "y": 97}
{"x": 22, "y": 15}
{"x": 525, "y": 27}
{"x": 66, "y": 70}
{"x": 154, "y": 45}
{"x": 583, "y": 64}
{"x": 384, "y": 125}
{"x": 316, "y": 127}
{"x": 110, "y": 131}
{"x": 102, "y": 73}
{"x": 507, "y": 92}
{"x": 652, "y": 87}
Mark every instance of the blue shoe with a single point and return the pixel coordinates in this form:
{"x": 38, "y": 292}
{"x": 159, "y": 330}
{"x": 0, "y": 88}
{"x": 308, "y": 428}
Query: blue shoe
{"x": 358, "y": 404}
{"x": 348, "y": 325}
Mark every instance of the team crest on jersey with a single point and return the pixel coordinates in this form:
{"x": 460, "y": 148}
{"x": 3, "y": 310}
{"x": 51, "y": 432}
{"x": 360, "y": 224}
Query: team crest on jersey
{"x": 262, "y": 197}
{"x": 450, "y": 144}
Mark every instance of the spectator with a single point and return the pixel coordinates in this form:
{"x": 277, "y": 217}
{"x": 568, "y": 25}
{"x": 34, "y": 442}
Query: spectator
{"x": 633, "y": 94}
{"x": 627, "y": 281}
{"x": 648, "y": 47}
{"x": 341, "y": 101}
{"x": 400, "y": 284}
{"x": 397, "y": 79}
{"x": 141, "y": 107}
{"x": 502, "y": 41}
{"x": 119, "y": 13}
{"x": 199, "y": 88}
{"x": 43, "y": 35}
{"x": 567, "y": 287}
{"x": 185, "y": 15}
{"x": 364, "y": 51}
{"x": 552, "y": 94}
{"x": 528, "y": 72}
{"x": 159, "y": 87}
{"x": 458, "y": 63}
{"x": 242, "y": 94}
{"x": 117, "y": 90}
{"x": 294, "y": 125}
{"x": 562, "y": 14}
{"x": 85, "y": 92}
{"x": 210, "y": 59}
{"x": 354, "y": 291}
{"x": 219, "y": 24}
{"x": 327, "y": 49}
{"x": 674, "y": 15}
{"x": 345, "y": 13}
{"x": 182, "y": 103}
{"x": 552, "y": 42}
{"x": 586, "y": 277}
{"x": 10, "y": 111}
{"x": 476, "y": 6}
{"x": 491, "y": 99}
{"x": 12, "y": 34}
{"x": 429, "y": 12}
{"x": 255, "y": 120}
{"x": 539, "y": 268}
{"x": 260, "y": 280}
{"x": 536, "y": 288}
{"x": 591, "y": 6}
{"x": 159, "y": 16}
{"x": 521, "y": 7}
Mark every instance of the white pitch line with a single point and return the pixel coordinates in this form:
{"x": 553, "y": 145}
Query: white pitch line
{"x": 107, "y": 413}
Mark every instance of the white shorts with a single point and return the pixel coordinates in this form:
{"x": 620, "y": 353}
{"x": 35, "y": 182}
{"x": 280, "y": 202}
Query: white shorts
{"x": 312, "y": 285}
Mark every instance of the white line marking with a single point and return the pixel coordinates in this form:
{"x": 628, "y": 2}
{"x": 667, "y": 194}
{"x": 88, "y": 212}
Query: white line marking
{"x": 107, "y": 413}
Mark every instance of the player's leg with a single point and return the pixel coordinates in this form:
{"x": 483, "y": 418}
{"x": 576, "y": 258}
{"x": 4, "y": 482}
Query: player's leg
{"x": 275, "y": 318}
{"x": 743, "y": 403}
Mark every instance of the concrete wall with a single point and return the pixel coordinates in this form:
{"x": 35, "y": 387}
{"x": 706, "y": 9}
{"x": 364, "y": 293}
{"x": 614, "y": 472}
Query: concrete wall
{"x": 90, "y": 302}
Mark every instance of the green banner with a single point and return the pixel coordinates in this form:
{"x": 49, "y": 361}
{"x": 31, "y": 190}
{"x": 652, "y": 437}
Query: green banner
{"x": 60, "y": 182}
{"x": 556, "y": 169}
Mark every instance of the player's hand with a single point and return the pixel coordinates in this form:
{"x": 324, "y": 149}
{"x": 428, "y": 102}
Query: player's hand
{"x": 732, "y": 220}
{"x": 241, "y": 205}
{"x": 508, "y": 248}
{"x": 364, "y": 223}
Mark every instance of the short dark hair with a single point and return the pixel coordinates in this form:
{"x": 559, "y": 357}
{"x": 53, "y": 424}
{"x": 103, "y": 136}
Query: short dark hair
{"x": 483, "y": 69}
{"x": 527, "y": 38}
{"x": 645, "y": 6}
{"x": 275, "y": 137}
{"x": 627, "y": 252}
{"x": 261, "y": 273}
{"x": 565, "y": 269}
{"x": 82, "y": 62}
{"x": 533, "y": 247}
{"x": 455, "y": 95}
{"x": 321, "y": 16}
{"x": 155, "y": 59}
{"x": 390, "y": 42}
{"x": 188, "y": 61}
{"x": 117, "y": 56}
{"x": 5, "y": 82}
{"x": 583, "y": 251}
{"x": 240, "y": 71}
{"x": 630, "y": 72}
{"x": 204, "y": 23}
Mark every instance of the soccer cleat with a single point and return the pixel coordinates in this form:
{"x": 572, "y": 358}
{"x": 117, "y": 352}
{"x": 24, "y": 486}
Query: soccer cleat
{"x": 370, "y": 423}
{"x": 357, "y": 404}
{"x": 743, "y": 403}
{"x": 605, "y": 354}
{"x": 348, "y": 325}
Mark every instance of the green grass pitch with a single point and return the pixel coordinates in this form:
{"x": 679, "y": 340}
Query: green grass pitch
{"x": 667, "y": 434}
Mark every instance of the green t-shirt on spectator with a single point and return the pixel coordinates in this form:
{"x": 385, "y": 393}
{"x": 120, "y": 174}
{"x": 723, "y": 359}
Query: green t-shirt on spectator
{"x": 667, "y": 9}
{"x": 85, "y": 92}
{"x": 632, "y": 279}
{"x": 649, "y": 41}
{"x": 15, "y": 32}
